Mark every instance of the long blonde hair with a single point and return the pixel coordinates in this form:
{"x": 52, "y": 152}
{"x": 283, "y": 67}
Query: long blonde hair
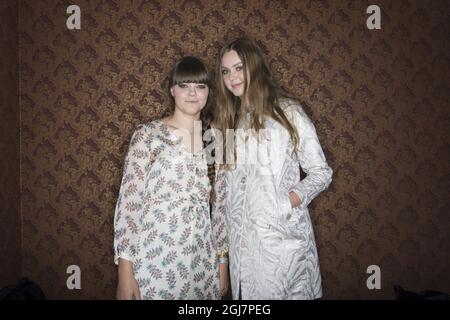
{"x": 262, "y": 91}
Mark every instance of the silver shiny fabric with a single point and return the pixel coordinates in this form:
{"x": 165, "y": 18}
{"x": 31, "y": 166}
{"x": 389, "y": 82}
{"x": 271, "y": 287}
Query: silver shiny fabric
{"x": 272, "y": 248}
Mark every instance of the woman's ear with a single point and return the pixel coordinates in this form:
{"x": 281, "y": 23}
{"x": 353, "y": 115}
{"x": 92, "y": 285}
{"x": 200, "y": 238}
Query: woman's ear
{"x": 171, "y": 92}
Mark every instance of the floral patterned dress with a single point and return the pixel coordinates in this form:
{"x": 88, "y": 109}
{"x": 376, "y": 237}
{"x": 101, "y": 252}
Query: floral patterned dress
{"x": 162, "y": 219}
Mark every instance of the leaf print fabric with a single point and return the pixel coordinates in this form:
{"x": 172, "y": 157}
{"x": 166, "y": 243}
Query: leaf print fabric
{"x": 162, "y": 220}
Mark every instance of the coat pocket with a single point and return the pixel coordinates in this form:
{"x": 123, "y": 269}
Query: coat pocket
{"x": 291, "y": 220}
{"x": 284, "y": 206}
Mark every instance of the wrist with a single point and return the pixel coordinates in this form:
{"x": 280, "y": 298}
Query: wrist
{"x": 125, "y": 268}
{"x": 223, "y": 268}
{"x": 223, "y": 257}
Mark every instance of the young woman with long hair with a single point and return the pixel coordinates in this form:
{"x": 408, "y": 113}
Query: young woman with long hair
{"x": 270, "y": 239}
{"x": 163, "y": 239}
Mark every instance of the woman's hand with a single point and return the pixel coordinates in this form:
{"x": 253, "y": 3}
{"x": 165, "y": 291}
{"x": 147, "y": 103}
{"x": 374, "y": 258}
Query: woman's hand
{"x": 128, "y": 288}
{"x": 224, "y": 279}
{"x": 295, "y": 200}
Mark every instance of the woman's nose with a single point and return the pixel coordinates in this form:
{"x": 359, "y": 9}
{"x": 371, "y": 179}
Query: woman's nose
{"x": 192, "y": 91}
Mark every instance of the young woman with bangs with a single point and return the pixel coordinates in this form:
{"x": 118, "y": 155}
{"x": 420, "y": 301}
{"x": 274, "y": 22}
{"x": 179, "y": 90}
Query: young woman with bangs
{"x": 163, "y": 237}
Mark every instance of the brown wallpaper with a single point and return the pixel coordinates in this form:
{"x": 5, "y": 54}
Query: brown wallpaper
{"x": 379, "y": 99}
{"x": 10, "y": 233}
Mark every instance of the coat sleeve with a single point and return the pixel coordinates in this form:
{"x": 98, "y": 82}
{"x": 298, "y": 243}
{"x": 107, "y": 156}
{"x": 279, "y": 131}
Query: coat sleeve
{"x": 219, "y": 211}
{"x": 312, "y": 160}
{"x": 129, "y": 205}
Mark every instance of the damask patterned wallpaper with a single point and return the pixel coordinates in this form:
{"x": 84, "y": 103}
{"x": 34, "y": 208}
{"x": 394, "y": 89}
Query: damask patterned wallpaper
{"x": 10, "y": 250}
{"x": 378, "y": 98}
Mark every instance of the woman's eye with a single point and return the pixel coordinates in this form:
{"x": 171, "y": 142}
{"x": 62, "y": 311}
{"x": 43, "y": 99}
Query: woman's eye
{"x": 182, "y": 85}
{"x": 201, "y": 86}
{"x": 224, "y": 72}
{"x": 239, "y": 68}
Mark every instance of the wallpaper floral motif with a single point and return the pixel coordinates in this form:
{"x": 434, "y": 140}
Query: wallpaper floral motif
{"x": 10, "y": 233}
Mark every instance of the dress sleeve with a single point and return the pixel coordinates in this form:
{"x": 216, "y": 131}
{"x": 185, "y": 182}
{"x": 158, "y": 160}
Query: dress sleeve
{"x": 129, "y": 205}
{"x": 218, "y": 213}
{"x": 312, "y": 160}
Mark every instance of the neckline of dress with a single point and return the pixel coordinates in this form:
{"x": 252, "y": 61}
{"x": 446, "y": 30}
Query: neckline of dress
{"x": 178, "y": 139}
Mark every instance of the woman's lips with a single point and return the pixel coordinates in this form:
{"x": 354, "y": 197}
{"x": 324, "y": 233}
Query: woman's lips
{"x": 234, "y": 86}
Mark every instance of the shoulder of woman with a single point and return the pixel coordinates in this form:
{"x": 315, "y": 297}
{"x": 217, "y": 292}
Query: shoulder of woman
{"x": 295, "y": 112}
{"x": 292, "y": 107}
{"x": 143, "y": 130}
{"x": 144, "y": 134}
{"x": 138, "y": 134}
{"x": 150, "y": 127}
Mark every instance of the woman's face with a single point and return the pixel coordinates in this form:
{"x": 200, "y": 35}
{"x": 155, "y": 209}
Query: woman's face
{"x": 190, "y": 98}
{"x": 233, "y": 73}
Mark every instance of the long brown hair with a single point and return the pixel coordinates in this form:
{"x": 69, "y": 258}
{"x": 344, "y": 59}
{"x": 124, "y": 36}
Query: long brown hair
{"x": 262, "y": 91}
